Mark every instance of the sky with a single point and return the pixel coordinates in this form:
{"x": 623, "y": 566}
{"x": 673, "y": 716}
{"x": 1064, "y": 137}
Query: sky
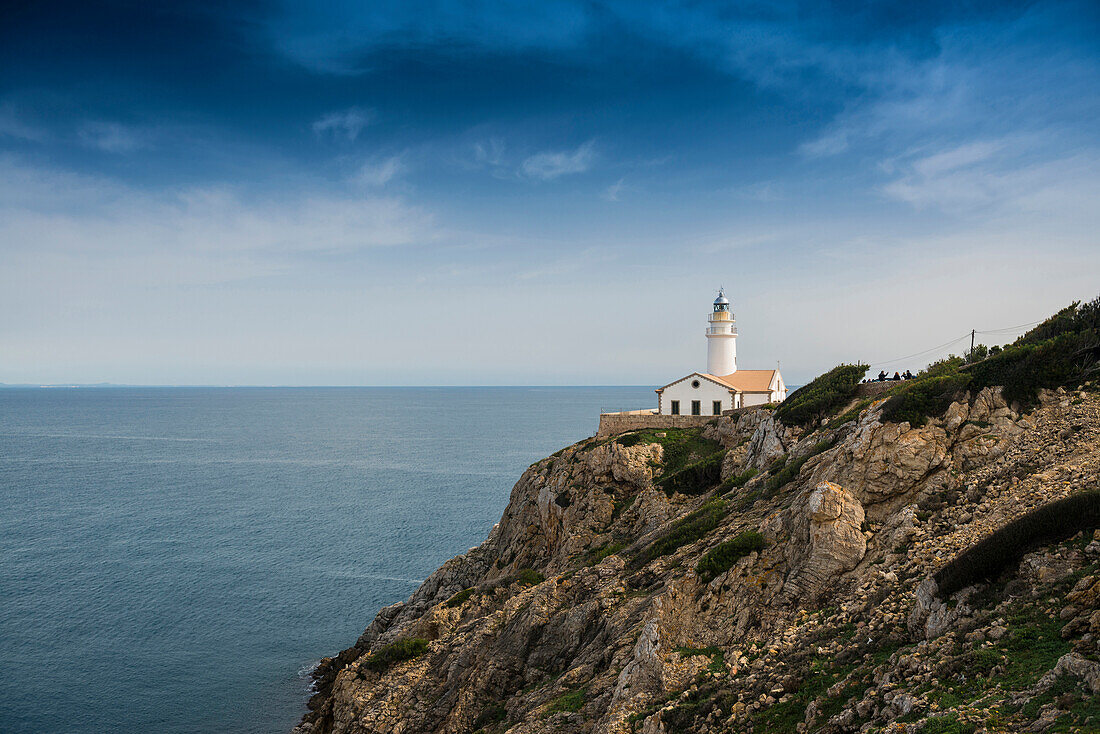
{"x": 442, "y": 193}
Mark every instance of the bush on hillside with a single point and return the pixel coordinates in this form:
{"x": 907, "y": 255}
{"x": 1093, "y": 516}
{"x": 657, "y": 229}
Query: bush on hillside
{"x": 740, "y": 480}
{"x": 929, "y": 395}
{"x": 823, "y": 396}
{"x": 1023, "y": 369}
{"x": 1073, "y": 319}
{"x": 687, "y": 529}
{"x": 529, "y": 577}
{"x": 1050, "y": 523}
{"x": 721, "y": 557}
{"x": 784, "y": 472}
{"x": 459, "y": 598}
{"x": 396, "y": 652}
{"x": 694, "y": 479}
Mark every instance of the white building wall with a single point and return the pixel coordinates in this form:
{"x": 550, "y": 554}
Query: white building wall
{"x": 756, "y": 398}
{"x": 706, "y": 393}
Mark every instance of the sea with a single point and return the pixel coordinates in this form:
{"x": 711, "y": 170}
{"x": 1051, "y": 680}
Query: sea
{"x": 177, "y": 560}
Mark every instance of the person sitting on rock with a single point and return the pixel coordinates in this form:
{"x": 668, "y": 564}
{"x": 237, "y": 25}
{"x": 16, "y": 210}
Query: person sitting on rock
{"x": 908, "y": 375}
{"x": 897, "y": 377}
{"x": 882, "y": 375}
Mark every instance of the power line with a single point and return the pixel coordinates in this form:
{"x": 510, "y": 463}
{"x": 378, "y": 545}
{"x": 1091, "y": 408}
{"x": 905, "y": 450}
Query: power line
{"x": 923, "y": 352}
{"x": 945, "y": 345}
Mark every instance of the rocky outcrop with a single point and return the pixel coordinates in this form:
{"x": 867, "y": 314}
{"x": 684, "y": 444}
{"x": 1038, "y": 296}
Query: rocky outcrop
{"x": 589, "y": 609}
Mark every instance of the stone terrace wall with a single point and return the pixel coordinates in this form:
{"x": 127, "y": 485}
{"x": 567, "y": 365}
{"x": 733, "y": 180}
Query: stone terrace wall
{"x": 612, "y": 424}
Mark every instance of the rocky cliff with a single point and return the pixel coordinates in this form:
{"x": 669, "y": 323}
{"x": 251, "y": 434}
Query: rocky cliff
{"x": 753, "y": 577}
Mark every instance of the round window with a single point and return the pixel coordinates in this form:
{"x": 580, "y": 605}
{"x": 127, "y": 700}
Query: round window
{"x": 695, "y": 383}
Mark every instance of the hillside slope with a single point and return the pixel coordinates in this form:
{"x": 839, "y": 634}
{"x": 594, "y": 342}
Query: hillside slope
{"x": 754, "y": 577}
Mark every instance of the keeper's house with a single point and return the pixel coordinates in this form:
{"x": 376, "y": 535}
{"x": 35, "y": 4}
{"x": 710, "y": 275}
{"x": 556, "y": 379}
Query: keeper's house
{"x": 721, "y": 388}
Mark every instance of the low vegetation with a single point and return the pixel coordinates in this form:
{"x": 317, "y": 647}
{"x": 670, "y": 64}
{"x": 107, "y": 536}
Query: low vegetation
{"x": 929, "y": 395}
{"x": 595, "y": 555}
{"x": 395, "y": 652}
{"x": 695, "y": 478}
{"x": 571, "y": 702}
{"x": 739, "y": 480}
{"x": 687, "y": 529}
{"x": 459, "y": 598}
{"x": 784, "y": 470}
{"x": 822, "y": 397}
{"x": 529, "y": 577}
{"x": 1063, "y": 351}
{"x": 988, "y": 557}
{"x": 680, "y": 446}
{"x": 721, "y": 557}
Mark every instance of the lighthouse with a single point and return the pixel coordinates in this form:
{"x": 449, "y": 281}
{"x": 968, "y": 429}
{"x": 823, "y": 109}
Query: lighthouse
{"x": 721, "y": 338}
{"x": 722, "y": 387}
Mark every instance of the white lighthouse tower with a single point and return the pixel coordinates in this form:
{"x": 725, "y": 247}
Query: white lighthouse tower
{"x": 721, "y": 338}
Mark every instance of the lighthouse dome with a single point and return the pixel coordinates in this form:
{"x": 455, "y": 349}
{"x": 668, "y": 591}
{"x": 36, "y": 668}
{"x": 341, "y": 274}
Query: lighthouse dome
{"x": 721, "y": 300}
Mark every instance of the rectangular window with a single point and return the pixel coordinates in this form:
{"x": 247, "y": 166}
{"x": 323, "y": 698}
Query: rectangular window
{"x": 696, "y": 407}
{"x": 676, "y": 407}
{"x": 718, "y": 407}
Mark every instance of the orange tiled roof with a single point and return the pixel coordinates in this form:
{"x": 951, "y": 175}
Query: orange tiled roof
{"x": 747, "y": 380}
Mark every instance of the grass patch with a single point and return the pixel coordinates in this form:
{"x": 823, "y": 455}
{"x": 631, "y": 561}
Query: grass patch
{"x": 595, "y": 555}
{"x": 529, "y": 577}
{"x": 570, "y": 702}
{"x": 618, "y": 507}
{"x": 687, "y": 529}
{"x": 395, "y": 652}
{"x": 789, "y": 469}
{"x": 695, "y": 478}
{"x": 679, "y": 445}
{"x": 740, "y": 480}
{"x": 459, "y": 598}
{"x": 825, "y": 394}
{"x": 716, "y": 654}
{"x": 948, "y": 724}
{"x": 721, "y": 557}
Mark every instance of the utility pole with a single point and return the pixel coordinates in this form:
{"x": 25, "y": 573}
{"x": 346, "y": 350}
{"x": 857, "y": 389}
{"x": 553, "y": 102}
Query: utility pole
{"x": 972, "y": 331}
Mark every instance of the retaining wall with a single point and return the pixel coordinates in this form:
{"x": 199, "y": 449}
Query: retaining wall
{"x": 612, "y": 424}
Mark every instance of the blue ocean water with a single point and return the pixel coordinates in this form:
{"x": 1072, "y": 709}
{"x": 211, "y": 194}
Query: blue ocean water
{"x": 175, "y": 559}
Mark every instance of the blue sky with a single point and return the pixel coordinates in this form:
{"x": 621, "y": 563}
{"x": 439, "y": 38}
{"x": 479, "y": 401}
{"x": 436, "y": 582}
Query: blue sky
{"x": 519, "y": 193}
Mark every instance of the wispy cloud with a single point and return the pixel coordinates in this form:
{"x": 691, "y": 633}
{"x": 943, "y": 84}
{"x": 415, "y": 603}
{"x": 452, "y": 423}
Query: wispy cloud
{"x": 112, "y": 137}
{"x": 1001, "y": 179}
{"x": 12, "y": 125}
{"x": 549, "y": 165}
{"x": 378, "y": 173}
{"x": 612, "y": 192}
{"x": 345, "y": 125}
{"x": 48, "y": 210}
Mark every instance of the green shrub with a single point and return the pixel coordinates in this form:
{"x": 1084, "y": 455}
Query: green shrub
{"x": 1050, "y": 523}
{"x": 396, "y": 652}
{"x": 948, "y": 724}
{"x": 596, "y": 555}
{"x": 721, "y": 557}
{"x": 680, "y": 446}
{"x": 927, "y": 396}
{"x": 1064, "y": 361}
{"x": 529, "y": 577}
{"x": 492, "y": 714}
{"x": 824, "y": 395}
{"x": 572, "y": 702}
{"x": 740, "y": 480}
{"x": 687, "y": 529}
{"x": 459, "y": 598}
{"x": 1074, "y": 318}
{"x": 789, "y": 469}
{"x": 694, "y": 478}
